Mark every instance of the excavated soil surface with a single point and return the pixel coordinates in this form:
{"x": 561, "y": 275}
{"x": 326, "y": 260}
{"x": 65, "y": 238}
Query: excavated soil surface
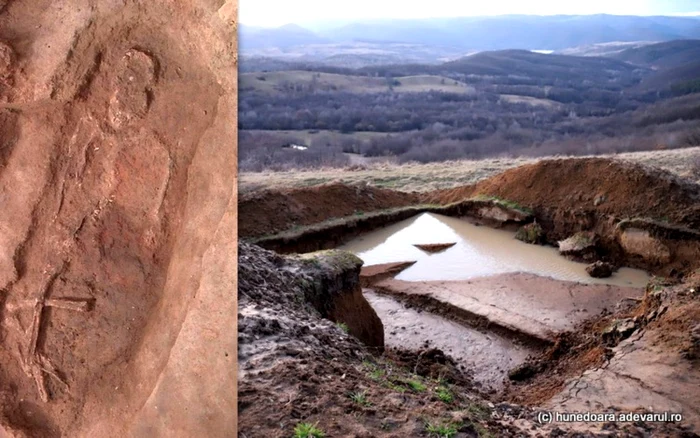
{"x": 486, "y": 356}
{"x": 270, "y": 212}
{"x": 297, "y": 367}
{"x": 607, "y": 187}
{"x": 116, "y": 120}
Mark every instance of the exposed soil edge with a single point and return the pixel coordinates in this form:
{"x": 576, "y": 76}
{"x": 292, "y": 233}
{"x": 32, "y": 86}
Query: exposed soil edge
{"x": 335, "y": 292}
{"x": 556, "y": 225}
{"x": 372, "y": 274}
{"x": 467, "y": 318}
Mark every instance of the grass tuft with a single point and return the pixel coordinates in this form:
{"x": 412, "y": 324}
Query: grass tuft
{"x": 360, "y": 398}
{"x": 444, "y": 394}
{"x": 307, "y": 430}
{"x": 441, "y": 430}
{"x": 416, "y": 385}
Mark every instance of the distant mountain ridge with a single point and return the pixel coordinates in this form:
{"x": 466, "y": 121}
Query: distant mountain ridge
{"x": 484, "y": 33}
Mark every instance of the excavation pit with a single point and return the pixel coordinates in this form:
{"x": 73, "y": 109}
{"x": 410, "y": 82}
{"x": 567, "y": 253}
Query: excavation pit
{"x": 489, "y": 301}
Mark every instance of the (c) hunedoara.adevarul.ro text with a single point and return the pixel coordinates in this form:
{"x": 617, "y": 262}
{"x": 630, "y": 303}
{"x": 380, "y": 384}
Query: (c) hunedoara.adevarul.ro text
{"x": 604, "y": 417}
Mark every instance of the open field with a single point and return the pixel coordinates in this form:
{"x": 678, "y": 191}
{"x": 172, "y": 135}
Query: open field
{"x": 271, "y": 82}
{"x": 512, "y": 98}
{"x": 308, "y": 135}
{"x": 431, "y": 176}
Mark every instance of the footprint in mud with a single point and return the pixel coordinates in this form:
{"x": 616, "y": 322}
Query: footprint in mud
{"x": 133, "y": 93}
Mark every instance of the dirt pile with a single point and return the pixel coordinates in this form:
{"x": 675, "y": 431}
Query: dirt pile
{"x": 118, "y": 209}
{"x": 337, "y": 295}
{"x": 605, "y": 186}
{"x": 275, "y": 317}
{"x": 637, "y": 216}
{"x": 271, "y": 212}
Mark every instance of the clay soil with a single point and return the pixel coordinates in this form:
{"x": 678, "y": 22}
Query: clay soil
{"x": 115, "y": 161}
{"x": 622, "y": 189}
{"x": 271, "y": 212}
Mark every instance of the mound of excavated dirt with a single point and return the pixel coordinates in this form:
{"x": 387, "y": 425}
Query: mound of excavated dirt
{"x": 271, "y": 212}
{"x": 118, "y": 209}
{"x": 608, "y": 187}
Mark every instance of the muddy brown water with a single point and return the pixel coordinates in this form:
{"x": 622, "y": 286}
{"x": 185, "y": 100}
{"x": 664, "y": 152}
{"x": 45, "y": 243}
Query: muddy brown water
{"x": 479, "y": 251}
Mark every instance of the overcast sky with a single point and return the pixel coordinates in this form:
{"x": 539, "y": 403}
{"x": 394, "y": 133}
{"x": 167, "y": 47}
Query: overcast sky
{"x": 270, "y": 13}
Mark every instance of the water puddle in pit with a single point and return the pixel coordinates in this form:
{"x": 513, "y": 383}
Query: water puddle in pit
{"x": 479, "y": 251}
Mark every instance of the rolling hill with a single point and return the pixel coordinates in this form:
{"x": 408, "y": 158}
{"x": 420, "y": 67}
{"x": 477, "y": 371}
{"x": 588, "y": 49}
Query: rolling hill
{"x": 272, "y": 82}
{"x": 675, "y": 63}
{"x": 485, "y": 33}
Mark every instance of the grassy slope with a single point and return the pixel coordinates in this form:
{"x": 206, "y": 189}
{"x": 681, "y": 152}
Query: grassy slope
{"x": 308, "y": 135}
{"x": 352, "y": 84}
{"x": 427, "y": 177}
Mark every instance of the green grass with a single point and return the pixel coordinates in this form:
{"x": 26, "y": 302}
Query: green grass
{"x": 377, "y": 374}
{"x": 416, "y": 385}
{"x": 441, "y": 430}
{"x": 444, "y": 394}
{"x": 360, "y": 398}
{"x": 344, "y": 327}
{"x": 307, "y": 430}
{"x": 504, "y": 202}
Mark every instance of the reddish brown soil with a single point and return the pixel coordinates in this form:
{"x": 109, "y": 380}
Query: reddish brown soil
{"x": 572, "y": 354}
{"x": 372, "y": 274}
{"x": 318, "y": 391}
{"x": 113, "y": 184}
{"x": 585, "y": 348}
{"x": 629, "y": 190}
{"x": 270, "y": 212}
